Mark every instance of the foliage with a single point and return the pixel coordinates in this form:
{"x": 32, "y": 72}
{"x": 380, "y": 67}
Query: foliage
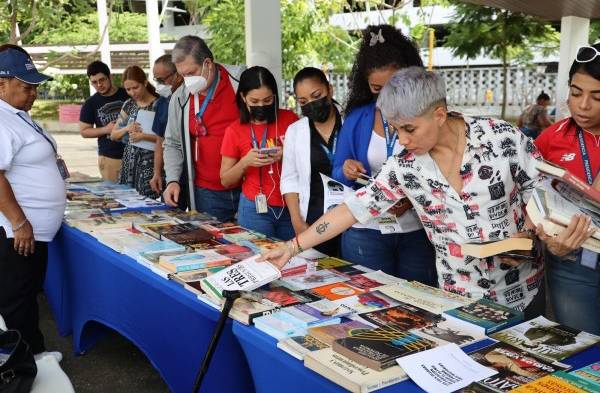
{"x": 499, "y": 34}
{"x": 594, "y": 31}
{"x": 47, "y": 109}
{"x": 306, "y": 37}
{"x": 63, "y": 86}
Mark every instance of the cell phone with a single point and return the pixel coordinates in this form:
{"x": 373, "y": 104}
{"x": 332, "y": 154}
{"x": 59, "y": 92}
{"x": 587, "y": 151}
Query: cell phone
{"x": 268, "y": 150}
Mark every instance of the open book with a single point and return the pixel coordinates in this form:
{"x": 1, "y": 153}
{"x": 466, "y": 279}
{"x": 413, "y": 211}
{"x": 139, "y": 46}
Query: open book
{"x": 573, "y": 187}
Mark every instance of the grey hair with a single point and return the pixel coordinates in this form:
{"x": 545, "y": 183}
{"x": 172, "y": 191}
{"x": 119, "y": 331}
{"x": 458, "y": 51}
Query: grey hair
{"x": 190, "y": 45}
{"x": 167, "y": 62}
{"x": 410, "y": 92}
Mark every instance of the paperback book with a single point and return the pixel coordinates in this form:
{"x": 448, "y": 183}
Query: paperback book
{"x": 380, "y": 347}
{"x": 551, "y": 384}
{"x": 402, "y": 316}
{"x": 191, "y": 261}
{"x": 299, "y": 346}
{"x": 451, "y": 331}
{"x": 486, "y": 314}
{"x": 431, "y": 299}
{"x": 328, "y": 334}
{"x": 337, "y": 291}
{"x": 367, "y": 302}
{"x": 515, "y": 367}
{"x": 312, "y": 280}
{"x": 546, "y": 339}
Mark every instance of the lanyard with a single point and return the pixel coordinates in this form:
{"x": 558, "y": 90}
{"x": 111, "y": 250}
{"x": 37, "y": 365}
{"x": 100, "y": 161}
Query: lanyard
{"x": 208, "y": 98}
{"x": 330, "y": 153}
{"x": 587, "y": 165}
{"x": 255, "y": 141}
{"x": 390, "y": 141}
{"x": 39, "y": 130}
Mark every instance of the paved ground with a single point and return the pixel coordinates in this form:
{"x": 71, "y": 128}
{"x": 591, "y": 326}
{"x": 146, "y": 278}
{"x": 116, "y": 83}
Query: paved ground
{"x": 114, "y": 365}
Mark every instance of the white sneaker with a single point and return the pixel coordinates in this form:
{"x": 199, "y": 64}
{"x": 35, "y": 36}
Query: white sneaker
{"x": 55, "y": 354}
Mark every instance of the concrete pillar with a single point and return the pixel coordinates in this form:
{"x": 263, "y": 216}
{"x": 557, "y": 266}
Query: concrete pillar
{"x": 102, "y": 22}
{"x": 263, "y": 36}
{"x": 574, "y": 32}
{"x": 153, "y": 22}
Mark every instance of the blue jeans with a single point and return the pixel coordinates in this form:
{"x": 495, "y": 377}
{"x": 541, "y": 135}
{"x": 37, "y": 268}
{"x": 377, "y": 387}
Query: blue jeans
{"x": 221, "y": 204}
{"x": 266, "y": 223}
{"x": 574, "y": 292}
{"x": 406, "y": 255}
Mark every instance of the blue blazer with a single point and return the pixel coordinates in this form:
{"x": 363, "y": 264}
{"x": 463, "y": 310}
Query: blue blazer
{"x": 353, "y": 142}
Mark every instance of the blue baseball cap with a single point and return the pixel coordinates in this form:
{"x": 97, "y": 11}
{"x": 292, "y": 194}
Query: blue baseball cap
{"x": 16, "y": 64}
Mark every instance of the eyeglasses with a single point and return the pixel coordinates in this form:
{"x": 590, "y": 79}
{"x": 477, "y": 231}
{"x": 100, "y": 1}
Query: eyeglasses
{"x": 163, "y": 81}
{"x": 586, "y": 53}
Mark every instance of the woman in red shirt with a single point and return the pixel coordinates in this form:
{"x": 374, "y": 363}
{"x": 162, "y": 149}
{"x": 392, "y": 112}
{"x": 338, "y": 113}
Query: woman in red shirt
{"x": 251, "y": 154}
{"x": 574, "y": 144}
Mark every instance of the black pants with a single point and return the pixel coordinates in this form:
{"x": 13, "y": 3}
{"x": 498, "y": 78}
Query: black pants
{"x": 21, "y": 279}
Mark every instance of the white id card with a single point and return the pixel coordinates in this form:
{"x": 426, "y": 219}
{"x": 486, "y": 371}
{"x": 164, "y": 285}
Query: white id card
{"x": 261, "y": 203}
{"x": 589, "y": 258}
{"x": 388, "y": 225}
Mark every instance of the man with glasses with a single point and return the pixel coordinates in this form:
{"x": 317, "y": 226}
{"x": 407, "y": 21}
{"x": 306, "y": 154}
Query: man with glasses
{"x": 98, "y": 116}
{"x": 199, "y": 112}
{"x": 32, "y": 196}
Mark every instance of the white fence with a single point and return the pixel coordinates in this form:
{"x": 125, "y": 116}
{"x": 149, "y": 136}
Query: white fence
{"x": 466, "y": 87}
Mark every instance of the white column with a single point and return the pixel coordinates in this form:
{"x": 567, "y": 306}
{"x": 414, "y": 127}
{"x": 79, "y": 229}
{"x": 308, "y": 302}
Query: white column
{"x": 263, "y": 35}
{"x": 574, "y": 32}
{"x": 102, "y": 22}
{"x": 153, "y": 22}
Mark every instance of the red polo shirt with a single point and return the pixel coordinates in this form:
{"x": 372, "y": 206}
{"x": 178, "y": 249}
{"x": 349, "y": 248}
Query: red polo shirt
{"x": 220, "y": 112}
{"x": 559, "y": 144}
{"x": 238, "y": 142}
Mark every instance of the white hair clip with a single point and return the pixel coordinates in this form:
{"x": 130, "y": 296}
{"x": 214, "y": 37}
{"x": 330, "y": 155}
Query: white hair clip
{"x": 375, "y": 38}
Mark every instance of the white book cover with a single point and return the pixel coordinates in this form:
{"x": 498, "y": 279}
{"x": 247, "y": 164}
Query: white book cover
{"x": 312, "y": 280}
{"x": 453, "y": 331}
{"x": 432, "y": 301}
{"x": 246, "y": 275}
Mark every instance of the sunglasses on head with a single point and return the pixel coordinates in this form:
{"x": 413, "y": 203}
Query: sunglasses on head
{"x": 586, "y": 53}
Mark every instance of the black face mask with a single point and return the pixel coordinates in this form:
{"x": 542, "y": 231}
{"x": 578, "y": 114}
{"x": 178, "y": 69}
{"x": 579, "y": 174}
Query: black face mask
{"x": 317, "y": 110}
{"x": 263, "y": 112}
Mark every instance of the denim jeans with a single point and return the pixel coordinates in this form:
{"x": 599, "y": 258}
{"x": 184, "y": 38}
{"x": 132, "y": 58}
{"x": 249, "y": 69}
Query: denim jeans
{"x": 266, "y": 223}
{"x": 574, "y": 292}
{"x": 406, "y": 255}
{"x": 221, "y": 204}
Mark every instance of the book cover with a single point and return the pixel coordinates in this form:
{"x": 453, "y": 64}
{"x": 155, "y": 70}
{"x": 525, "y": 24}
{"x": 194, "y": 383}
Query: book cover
{"x": 234, "y": 251}
{"x": 307, "y": 316}
{"x": 337, "y": 291}
{"x": 350, "y": 270}
{"x": 299, "y": 346}
{"x": 245, "y": 311}
{"x": 486, "y": 314}
{"x": 587, "y": 377}
{"x": 328, "y": 307}
{"x": 246, "y": 275}
{"x": 194, "y": 260}
{"x": 451, "y": 331}
{"x": 434, "y": 300}
{"x": 515, "y": 367}
{"x": 379, "y": 348}
{"x": 349, "y": 374}
{"x": 331, "y": 262}
{"x": 579, "y": 381}
{"x": 284, "y": 297}
{"x": 546, "y": 339}
{"x": 279, "y": 325}
{"x": 570, "y": 180}
{"x": 560, "y": 206}
{"x": 328, "y": 334}
{"x": 363, "y": 282}
{"x": 402, "y": 316}
{"x": 312, "y": 280}
{"x": 366, "y": 302}
{"x": 548, "y": 384}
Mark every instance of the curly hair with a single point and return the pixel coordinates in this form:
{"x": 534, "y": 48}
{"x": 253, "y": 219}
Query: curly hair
{"x": 396, "y": 50}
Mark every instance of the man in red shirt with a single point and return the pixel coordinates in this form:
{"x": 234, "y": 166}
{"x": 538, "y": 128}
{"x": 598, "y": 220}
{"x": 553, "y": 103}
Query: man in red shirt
{"x": 199, "y": 112}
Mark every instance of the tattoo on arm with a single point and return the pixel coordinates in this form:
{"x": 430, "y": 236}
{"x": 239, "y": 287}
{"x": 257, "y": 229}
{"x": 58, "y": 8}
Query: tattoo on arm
{"x": 321, "y": 228}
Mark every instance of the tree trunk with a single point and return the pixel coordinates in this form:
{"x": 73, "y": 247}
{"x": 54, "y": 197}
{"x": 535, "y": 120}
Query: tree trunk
{"x": 14, "y": 27}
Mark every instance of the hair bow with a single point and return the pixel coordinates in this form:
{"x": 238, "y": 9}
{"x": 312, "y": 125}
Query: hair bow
{"x": 375, "y": 38}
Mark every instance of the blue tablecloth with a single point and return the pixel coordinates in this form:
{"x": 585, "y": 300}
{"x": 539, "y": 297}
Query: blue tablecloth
{"x": 91, "y": 287}
{"x": 275, "y": 371}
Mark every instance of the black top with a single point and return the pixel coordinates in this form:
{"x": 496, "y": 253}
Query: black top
{"x": 319, "y": 163}
{"x": 100, "y": 110}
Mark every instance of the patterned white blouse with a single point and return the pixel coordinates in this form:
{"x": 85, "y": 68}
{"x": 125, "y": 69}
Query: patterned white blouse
{"x": 498, "y": 173}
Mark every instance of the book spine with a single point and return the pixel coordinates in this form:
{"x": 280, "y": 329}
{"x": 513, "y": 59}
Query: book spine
{"x": 582, "y": 186}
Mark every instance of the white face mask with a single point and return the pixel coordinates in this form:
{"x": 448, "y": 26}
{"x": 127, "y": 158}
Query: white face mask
{"x": 196, "y": 83}
{"x": 163, "y": 90}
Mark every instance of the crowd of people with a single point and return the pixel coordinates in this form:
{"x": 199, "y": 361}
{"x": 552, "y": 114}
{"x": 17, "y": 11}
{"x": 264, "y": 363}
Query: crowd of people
{"x": 219, "y": 143}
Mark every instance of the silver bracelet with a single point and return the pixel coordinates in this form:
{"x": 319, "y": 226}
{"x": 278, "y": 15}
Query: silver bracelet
{"x": 21, "y": 225}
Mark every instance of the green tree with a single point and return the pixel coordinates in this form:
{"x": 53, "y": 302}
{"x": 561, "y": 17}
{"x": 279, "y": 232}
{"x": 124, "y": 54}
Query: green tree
{"x": 306, "y": 37}
{"x": 500, "y": 34}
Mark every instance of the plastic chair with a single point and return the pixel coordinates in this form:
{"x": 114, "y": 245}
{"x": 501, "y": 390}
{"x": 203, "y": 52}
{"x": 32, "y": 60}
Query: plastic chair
{"x": 50, "y": 377}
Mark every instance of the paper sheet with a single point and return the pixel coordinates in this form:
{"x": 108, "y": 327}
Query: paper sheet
{"x": 334, "y": 193}
{"x": 145, "y": 119}
{"x": 443, "y": 369}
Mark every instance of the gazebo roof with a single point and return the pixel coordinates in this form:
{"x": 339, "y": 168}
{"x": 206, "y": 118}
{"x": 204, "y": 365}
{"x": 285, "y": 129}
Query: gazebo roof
{"x": 549, "y": 10}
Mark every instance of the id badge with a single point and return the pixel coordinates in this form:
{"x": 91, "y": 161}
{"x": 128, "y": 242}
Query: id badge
{"x": 589, "y": 258}
{"x": 388, "y": 225}
{"x": 62, "y": 168}
{"x": 261, "y": 203}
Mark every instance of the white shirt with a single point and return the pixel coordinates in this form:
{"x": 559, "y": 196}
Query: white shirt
{"x": 29, "y": 162}
{"x": 377, "y": 156}
{"x": 498, "y": 172}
